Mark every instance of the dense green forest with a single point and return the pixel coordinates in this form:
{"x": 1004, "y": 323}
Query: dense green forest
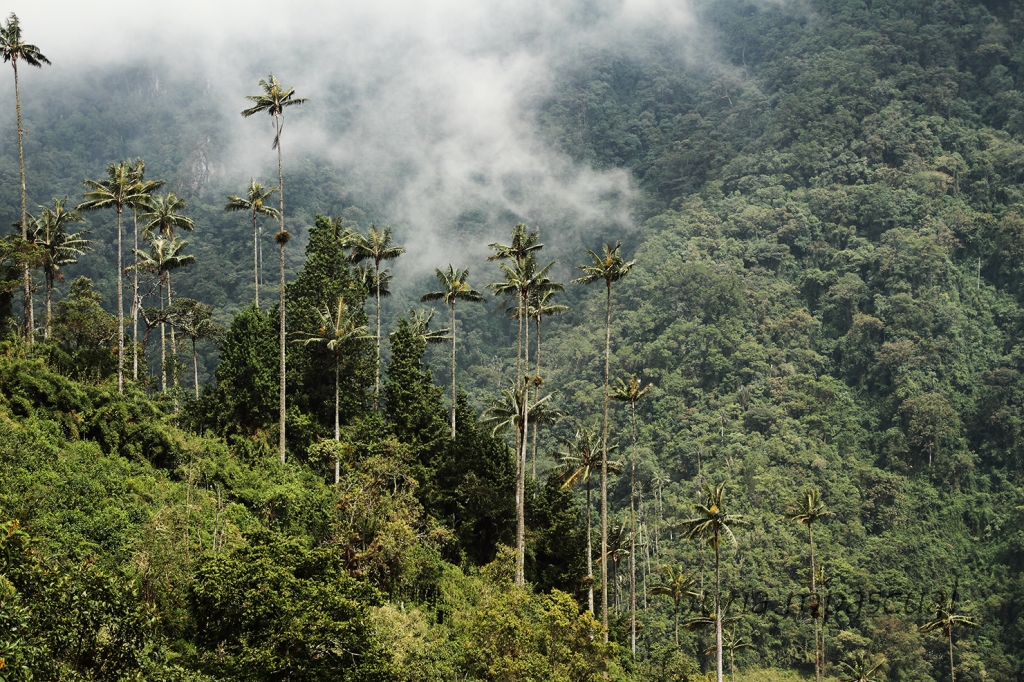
{"x": 802, "y": 372}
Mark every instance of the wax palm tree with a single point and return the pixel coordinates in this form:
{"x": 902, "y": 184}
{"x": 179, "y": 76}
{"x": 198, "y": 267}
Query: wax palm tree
{"x": 946, "y": 618}
{"x": 60, "y": 247}
{"x": 862, "y": 667}
{"x": 273, "y": 101}
{"x": 580, "y": 457}
{"x": 163, "y": 218}
{"x": 609, "y": 268}
{"x": 511, "y": 411}
{"x": 14, "y": 49}
{"x": 809, "y": 510}
{"x": 119, "y": 190}
{"x": 164, "y": 256}
{"x": 194, "y": 319}
{"x": 630, "y": 392}
{"x": 520, "y": 281}
{"x": 144, "y": 189}
{"x": 732, "y": 643}
{"x": 710, "y": 524}
{"x": 522, "y": 248}
{"x": 255, "y": 201}
{"x": 677, "y": 585}
{"x": 376, "y": 246}
{"x": 454, "y": 287}
{"x": 337, "y": 328}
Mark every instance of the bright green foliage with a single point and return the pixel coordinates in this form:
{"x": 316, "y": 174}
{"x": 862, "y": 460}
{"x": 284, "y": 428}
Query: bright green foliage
{"x": 277, "y": 608}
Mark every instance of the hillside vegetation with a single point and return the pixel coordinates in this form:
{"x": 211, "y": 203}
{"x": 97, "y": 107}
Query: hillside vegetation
{"x": 818, "y": 340}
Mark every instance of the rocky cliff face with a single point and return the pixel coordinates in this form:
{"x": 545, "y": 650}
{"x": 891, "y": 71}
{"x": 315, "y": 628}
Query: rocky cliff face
{"x": 195, "y": 171}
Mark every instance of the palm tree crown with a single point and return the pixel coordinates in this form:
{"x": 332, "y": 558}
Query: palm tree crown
{"x": 13, "y": 48}
{"x": 273, "y": 100}
{"x": 164, "y": 217}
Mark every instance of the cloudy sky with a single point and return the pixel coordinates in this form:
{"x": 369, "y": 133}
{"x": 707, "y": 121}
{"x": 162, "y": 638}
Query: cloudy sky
{"x": 439, "y": 93}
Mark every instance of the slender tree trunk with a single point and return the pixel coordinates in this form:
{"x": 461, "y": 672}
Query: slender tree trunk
{"x": 521, "y": 484}
{"x": 590, "y": 556}
{"x": 174, "y": 345}
{"x": 718, "y": 612}
{"x": 814, "y": 598}
{"x": 280, "y": 184}
{"x": 163, "y": 339}
{"x": 337, "y": 426}
{"x": 376, "y": 385}
{"x": 255, "y": 257}
{"x": 677, "y": 624}
{"x": 29, "y": 316}
{"x": 632, "y": 538}
{"x": 952, "y": 670}
{"x": 453, "y": 369}
{"x": 536, "y": 397}
{"x": 49, "y": 300}
{"x": 526, "y": 392}
{"x": 135, "y": 297}
{"x": 195, "y": 368}
{"x": 604, "y": 463}
{"x": 120, "y": 307}
{"x": 281, "y": 435}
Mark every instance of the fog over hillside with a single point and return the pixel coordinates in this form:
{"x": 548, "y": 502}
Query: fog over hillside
{"x": 431, "y": 106}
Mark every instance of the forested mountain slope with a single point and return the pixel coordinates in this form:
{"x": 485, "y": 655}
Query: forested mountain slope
{"x": 826, "y": 296}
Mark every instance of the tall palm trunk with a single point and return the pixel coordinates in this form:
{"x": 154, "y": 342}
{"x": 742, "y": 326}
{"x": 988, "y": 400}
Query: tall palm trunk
{"x": 280, "y": 192}
{"x": 29, "y": 312}
{"x": 195, "y": 368}
{"x": 120, "y": 307}
{"x": 718, "y": 612}
{"x": 632, "y": 538}
{"x": 814, "y": 597}
{"x": 255, "y": 257}
{"x": 135, "y": 299}
{"x": 952, "y": 670}
{"x": 520, "y": 514}
{"x": 281, "y": 435}
{"x": 536, "y": 397}
{"x": 521, "y": 484}
{"x": 49, "y": 300}
{"x": 453, "y": 369}
{"x": 163, "y": 338}
{"x": 590, "y": 556}
{"x": 337, "y": 426}
{"x": 174, "y": 345}
{"x": 376, "y": 385}
{"x": 604, "y": 463}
